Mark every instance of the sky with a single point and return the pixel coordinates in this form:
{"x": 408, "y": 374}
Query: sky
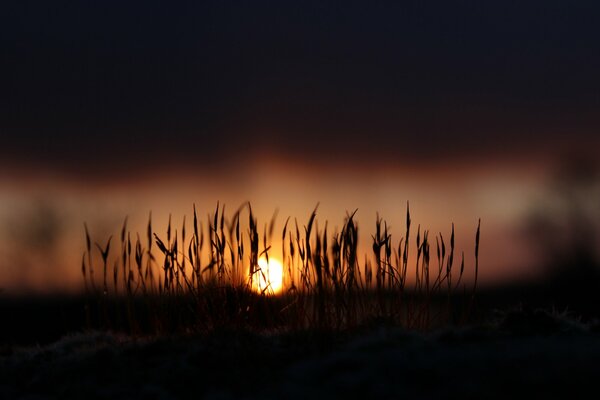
{"x": 464, "y": 109}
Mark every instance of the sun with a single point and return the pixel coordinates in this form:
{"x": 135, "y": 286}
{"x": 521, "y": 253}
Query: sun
{"x": 269, "y": 277}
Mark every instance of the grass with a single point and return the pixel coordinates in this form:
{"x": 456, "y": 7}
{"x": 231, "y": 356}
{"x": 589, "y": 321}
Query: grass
{"x": 201, "y": 277}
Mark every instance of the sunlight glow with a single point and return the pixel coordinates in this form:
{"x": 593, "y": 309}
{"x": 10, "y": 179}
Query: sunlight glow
{"x": 269, "y": 277}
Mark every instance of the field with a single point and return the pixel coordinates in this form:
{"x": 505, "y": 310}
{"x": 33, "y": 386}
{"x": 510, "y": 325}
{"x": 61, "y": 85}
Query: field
{"x": 203, "y": 316}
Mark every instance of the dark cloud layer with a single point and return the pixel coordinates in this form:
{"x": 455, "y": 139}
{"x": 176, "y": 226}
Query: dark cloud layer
{"x": 92, "y": 87}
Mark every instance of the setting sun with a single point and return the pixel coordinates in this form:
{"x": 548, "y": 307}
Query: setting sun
{"x": 269, "y": 277}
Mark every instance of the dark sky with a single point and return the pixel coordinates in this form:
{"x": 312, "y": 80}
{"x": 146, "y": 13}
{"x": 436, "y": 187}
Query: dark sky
{"x": 97, "y": 87}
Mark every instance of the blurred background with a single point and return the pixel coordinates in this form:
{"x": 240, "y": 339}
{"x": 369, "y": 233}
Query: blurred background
{"x": 466, "y": 110}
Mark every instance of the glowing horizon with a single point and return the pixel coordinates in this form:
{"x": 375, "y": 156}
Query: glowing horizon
{"x": 501, "y": 198}
{"x": 268, "y": 279}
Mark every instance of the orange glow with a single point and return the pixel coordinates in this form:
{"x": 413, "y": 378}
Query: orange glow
{"x": 269, "y": 277}
{"x": 499, "y": 196}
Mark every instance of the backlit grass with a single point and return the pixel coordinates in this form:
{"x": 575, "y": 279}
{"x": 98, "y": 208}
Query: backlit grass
{"x": 213, "y": 273}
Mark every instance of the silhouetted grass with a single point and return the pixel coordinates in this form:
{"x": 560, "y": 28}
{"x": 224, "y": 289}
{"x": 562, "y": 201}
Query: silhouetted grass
{"x": 203, "y": 277}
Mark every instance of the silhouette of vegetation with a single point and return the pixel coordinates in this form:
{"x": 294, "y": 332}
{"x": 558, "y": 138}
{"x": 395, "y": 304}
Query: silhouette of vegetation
{"x": 200, "y": 277}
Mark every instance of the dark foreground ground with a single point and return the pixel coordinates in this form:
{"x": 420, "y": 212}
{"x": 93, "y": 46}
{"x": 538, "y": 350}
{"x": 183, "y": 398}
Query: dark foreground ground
{"x": 523, "y": 354}
{"x": 518, "y": 351}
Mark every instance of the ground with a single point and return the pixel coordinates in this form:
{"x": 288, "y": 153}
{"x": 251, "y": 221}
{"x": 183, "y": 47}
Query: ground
{"x": 519, "y": 353}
